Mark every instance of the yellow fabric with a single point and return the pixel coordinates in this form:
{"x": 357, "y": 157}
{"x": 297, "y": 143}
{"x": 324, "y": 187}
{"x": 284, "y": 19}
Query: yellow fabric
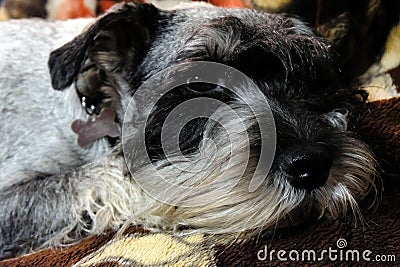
{"x": 153, "y": 250}
{"x": 376, "y": 80}
{"x": 271, "y": 5}
{"x": 391, "y": 57}
{"x": 3, "y": 14}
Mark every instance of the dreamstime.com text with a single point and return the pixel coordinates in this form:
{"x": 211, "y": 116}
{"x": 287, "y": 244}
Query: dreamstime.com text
{"x": 338, "y": 253}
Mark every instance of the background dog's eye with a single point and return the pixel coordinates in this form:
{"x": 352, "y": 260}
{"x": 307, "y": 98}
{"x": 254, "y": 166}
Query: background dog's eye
{"x": 260, "y": 64}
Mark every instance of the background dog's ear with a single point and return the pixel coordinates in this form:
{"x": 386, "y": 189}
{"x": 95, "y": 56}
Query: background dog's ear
{"x": 117, "y": 41}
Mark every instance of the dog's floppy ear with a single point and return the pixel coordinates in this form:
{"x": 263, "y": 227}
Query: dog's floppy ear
{"x": 118, "y": 40}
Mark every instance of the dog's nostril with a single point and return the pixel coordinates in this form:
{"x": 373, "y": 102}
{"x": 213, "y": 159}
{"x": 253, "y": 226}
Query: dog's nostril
{"x": 308, "y": 166}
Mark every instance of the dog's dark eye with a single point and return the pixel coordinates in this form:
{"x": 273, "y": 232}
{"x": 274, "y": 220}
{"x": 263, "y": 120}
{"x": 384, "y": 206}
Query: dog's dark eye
{"x": 260, "y": 64}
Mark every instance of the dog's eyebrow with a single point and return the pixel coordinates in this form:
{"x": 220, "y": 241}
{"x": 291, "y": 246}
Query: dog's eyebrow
{"x": 213, "y": 40}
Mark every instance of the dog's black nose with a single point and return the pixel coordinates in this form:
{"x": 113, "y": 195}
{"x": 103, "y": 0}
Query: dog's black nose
{"x": 307, "y": 165}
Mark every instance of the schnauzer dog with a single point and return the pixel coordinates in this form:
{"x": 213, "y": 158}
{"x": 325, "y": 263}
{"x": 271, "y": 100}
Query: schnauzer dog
{"x": 72, "y": 158}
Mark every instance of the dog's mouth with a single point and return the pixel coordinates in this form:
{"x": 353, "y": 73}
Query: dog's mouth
{"x": 100, "y": 99}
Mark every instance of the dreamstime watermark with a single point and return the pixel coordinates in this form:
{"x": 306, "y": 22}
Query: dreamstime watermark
{"x": 145, "y": 101}
{"x": 338, "y": 253}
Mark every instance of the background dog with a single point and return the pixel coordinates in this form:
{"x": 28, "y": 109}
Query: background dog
{"x": 55, "y": 189}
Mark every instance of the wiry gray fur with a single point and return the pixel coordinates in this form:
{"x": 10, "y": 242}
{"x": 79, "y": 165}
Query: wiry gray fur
{"x": 53, "y": 191}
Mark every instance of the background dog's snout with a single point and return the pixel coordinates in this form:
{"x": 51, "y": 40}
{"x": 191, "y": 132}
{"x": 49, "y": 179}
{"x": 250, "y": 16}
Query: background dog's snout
{"x": 307, "y": 165}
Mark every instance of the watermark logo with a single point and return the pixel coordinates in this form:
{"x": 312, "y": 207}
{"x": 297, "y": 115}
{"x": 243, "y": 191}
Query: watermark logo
{"x": 338, "y": 253}
{"x": 341, "y": 243}
{"x": 144, "y": 102}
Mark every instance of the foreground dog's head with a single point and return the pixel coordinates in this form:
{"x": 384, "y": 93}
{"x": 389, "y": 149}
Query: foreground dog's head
{"x": 318, "y": 165}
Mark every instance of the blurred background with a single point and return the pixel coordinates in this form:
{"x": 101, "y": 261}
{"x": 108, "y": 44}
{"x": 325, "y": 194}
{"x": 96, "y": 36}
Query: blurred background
{"x": 66, "y": 9}
{"x": 54, "y": 9}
